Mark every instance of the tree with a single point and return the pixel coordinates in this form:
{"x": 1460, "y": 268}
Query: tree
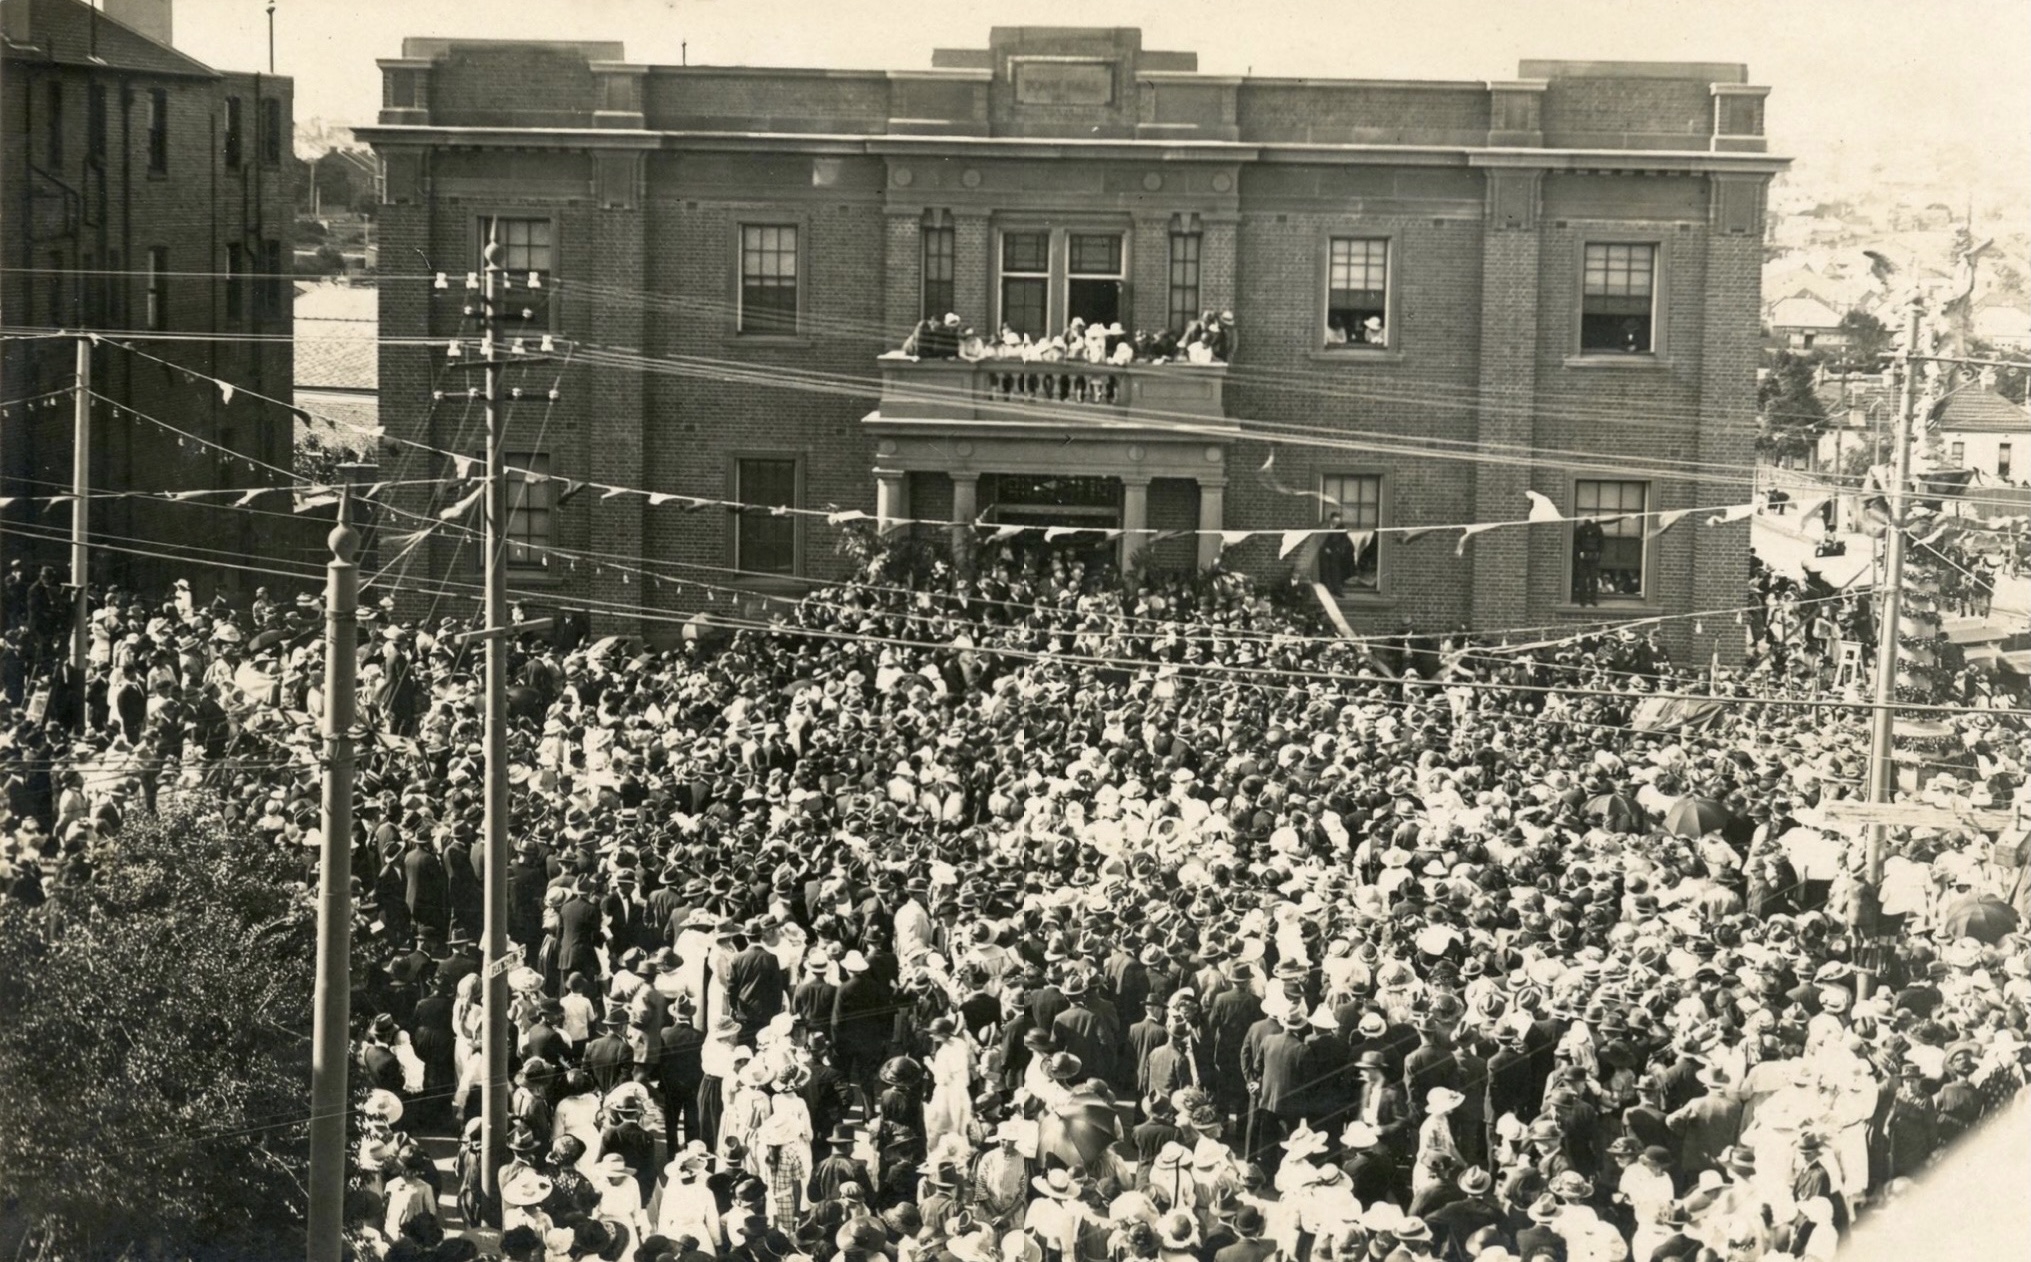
{"x": 155, "y": 1026}
{"x": 1793, "y": 417}
{"x": 1868, "y": 339}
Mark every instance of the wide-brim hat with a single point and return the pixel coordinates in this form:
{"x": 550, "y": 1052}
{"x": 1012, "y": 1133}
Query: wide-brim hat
{"x": 1056, "y": 1183}
{"x": 525, "y": 1188}
{"x": 1443, "y": 1100}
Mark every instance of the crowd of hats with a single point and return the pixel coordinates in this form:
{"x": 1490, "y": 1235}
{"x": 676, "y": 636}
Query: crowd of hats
{"x": 1299, "y": 953}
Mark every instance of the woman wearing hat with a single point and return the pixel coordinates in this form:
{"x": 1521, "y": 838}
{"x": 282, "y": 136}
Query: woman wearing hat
{"x": 686, "y": 1205}
{"x": 1438, "y": 1156}
{"x": 950, "y": 1108}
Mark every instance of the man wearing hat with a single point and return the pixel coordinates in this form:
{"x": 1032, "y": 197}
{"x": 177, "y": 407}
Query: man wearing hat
{"x": 1709, "y": 1125}
{"x": 756, "y": 986}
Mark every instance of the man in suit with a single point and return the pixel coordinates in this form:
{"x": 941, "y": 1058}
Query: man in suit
{"x": 527, "y": 880}
{"x": 437, "y": 1047}
{"x": 1144, "y": 1037}
{"x": 1370, "y": 1166}
{"x": 608, "y": 1058}
{"x": 1249, "y": 1246}
{"x": 1229, "y": 1017}
{"x": 578, "y": 933}
{"x": 1709, "y": 1125}
{"x": 1088, "y": 1033}
{"x": 465, "y": 897}
{"x": 756, "y": 988}
{"x": 425, "y": 887}
{"x": 862, "y": 1017}
{"x": 1284, "y": 1096}
{"x": 1540, "y": 1240}
{"x": 679, "y": 1070}
{"x": 1380, "y": 1105}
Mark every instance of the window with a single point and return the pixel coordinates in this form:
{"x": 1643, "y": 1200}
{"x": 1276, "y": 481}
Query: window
{"x": 236, "y": 280}
{"x": 765, "y": 542}
{"x": 1617, "y": 294}
{"x": 271, "y": 132}
{"x": 95, "y": 124}
{"x": 55, "y": 124}
{"x": 158, "y": 287}
{"x": 940, "y": 252}
{"x": 1184, "y": 304}
{"x": 158, "y": 131}
{"x": 1093, "y": 279}
{"x": 1957, "y": 454}
{"x": 235, "y": 130}
{"x": 768, "y": 279}
{"x": 1026, "y": 281}
{"x": 527, "y": 250}
{"x": 1358, "y": 500}
{"x": 269, "y": 286}
{"x": 1357, "y": 292}
{"x": 2003, "y": 460}
{"x": 532, "y": 506}
{"x": 1608, "y": 540}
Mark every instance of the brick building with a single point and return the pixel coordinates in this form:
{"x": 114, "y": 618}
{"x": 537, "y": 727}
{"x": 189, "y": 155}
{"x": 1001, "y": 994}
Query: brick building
{"x": 145, "y": 194}
{"x": 1446, "y": 293}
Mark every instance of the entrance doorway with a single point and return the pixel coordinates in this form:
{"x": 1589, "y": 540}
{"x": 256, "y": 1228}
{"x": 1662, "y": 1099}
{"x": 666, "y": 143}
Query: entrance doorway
{"x": 1088, "y": 506}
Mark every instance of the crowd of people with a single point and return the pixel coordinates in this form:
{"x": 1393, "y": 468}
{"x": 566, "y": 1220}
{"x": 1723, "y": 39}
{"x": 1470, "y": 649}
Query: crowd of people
{"x": 1021, "y": 916}
{"x": 1209, "y": 339}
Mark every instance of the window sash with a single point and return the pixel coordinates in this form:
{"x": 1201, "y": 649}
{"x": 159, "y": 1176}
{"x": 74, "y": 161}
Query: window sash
{"x": 235, "y": 130}
{"x": 271, "y": 132}
{"x": 1620, "y": 505}
{"x": 1093, "y": 254}
{"x": 1026, "y": 253}
{"x": 940, "y": 262}
{"x": 763, "y": 542}
{"x": 1357, "y": 497}
{"x": 236, "y": 279}
{"x": 1357, "y": 290}
{"x": 158, "y": 130}
{"x": 525, "y": 245}
{"x": 768, "y": 278}
{"x": 1184, "y": 295}
{"x": 158, "y": 293}
{"x": 532, "y": 508}
{"x": 1614, "y": 270}
{"x": 56, "y": 123}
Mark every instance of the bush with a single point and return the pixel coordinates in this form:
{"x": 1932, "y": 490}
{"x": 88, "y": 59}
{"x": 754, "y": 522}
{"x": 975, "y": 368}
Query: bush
{"x": 155, "y": 1028}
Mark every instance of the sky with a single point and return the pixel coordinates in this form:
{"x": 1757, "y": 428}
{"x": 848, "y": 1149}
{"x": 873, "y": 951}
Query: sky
{"x": 1918, "y": 86}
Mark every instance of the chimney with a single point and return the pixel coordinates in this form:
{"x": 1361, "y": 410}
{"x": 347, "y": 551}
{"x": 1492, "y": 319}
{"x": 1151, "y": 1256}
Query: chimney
{"x": 150, "y": 17}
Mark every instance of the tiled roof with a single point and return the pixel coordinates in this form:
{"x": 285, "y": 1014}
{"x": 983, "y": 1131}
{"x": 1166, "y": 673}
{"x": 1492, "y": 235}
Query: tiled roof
{"x": 72, "y": 33}
{"x": 1982, "y": 410}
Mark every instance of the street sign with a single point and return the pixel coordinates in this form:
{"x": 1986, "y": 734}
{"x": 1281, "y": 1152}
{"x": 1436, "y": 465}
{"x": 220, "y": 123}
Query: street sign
{"x": 1912, "y": 815}
{"x": 506, "y": 962}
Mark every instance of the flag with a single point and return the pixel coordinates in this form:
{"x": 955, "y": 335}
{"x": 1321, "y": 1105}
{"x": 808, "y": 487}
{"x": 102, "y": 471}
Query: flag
{"x": 1468, "y": 532}
{"x": 461, "y": 466}
{"x": 226, "y": 393}
{"x": 1058, "y": 532}
{"x": 1360, "y": 539}
{"x": 1665, "y": 521}
{"x": 248, "y": 497}
{"x": 843, "y": 516}
{"x": 1416, "y": 533}
{"x": 1292, "y": 541}
{"x": 1006, "y": 532}
{"x": 1733, "y": 512}
{"x": 1268, "y": 461}
{"x": 304, "y": 503}
{"x": 1228, "y": 538}
{"x": 659, "y": 498}
{"x": 1542, "y": 509}
{"x": 459, "y": 509}
{"x": 608, "y": 492}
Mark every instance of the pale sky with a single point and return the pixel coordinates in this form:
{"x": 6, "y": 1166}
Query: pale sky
{"x": 1924, "y": 85}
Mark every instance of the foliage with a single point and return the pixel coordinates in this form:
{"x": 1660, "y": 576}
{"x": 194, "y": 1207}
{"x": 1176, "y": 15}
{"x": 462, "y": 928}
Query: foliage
{"x": 155, "y": 1030}
{"x": 328, "y": 261}
{"x": 2010, "y": 382}
{"x": 1869, "y": 339}
{"x": 1793, "y": 416}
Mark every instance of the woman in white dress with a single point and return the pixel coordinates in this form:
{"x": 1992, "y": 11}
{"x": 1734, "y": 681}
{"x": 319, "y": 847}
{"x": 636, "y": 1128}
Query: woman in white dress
{"x": 1437, "y": 1154}
{"x": 687, "y": 1207}
{"x": 950, "y": 1109}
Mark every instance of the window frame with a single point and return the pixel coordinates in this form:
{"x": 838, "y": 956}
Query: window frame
{"x": 1646, "y": 554}
{"x": 738, "y": 518}
{"x": 1957, "y": 453}
{"x": 518, "y": 484}
{"x": 1059, "y": 231}
{"x": 1660, "y": 259}
{"x": 1381, "y": 591}
{"x": 545, "y": 320}
{"x": 1177, "y": 315}
{"x": 1390, "y": 333}
{"x": 155, "y": 309}
{"x": 800, "y": 237}
{"x": 235, "y": 132}
{"x": 948, "y": 256}
{"x": 236, "y": 280}
{"x": 157, "y": 132}
{"x": 269, "y": 125}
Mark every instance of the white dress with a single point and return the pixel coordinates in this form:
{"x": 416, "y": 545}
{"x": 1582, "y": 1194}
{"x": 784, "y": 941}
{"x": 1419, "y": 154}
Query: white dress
{"x": 950, "y": 1108}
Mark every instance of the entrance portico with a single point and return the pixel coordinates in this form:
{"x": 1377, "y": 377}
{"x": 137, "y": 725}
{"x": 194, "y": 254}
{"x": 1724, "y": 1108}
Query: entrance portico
{"x": 1032, "y": 423}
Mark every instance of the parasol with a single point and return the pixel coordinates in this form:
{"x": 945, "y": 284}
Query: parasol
{"x": 1694, "y": 816}
{"x": 1078, "y": 1133}
{"x": 1983, "y": 917}
{"x": 1618, "y": 812}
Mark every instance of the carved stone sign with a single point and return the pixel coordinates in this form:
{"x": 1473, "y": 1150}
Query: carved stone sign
{"x": 1064, "y": 81}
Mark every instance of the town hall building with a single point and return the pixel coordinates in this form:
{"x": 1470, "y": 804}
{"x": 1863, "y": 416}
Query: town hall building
{"x": 1443, "y": 295}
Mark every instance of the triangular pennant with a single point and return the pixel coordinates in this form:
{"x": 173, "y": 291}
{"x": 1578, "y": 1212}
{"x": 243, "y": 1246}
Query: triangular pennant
{"x": 1541, "y": 508}
{"x": 1466, "y": 533}
{"x": 1733, "y": 512}
{"x": 186, "y": 495}
{"x": 844, "y": 516}
{"x": 304, "y": 503}
{"x": 248, "y": 497}
{"x": 1415, "y": 533}
{"x": 1058, "y": 532}
{"x": 1360, "y": 539}
{"x": 1665, "y": 521}
{"x": 61, "y": 499}
{"x": 659, "y": 498}
{"x": 608, "y": 492}
{"x": 459, "y": 509}
{"x": 1006, "y": 532}
{"x": 1228, "y": 538}
{"x": 1292, "y": 541}
{"x": 226, "y": 393}
{"x": 461, "y": 466}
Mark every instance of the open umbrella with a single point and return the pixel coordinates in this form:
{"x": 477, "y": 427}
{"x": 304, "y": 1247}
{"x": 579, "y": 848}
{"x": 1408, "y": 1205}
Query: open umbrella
{"x": 1694, "y": 816}
{"x": 1618, "y": 812}
{"x": 1983, "y": 917}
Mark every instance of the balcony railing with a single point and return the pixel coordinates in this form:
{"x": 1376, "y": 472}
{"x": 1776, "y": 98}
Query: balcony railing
{"x": 1054, "y": 393}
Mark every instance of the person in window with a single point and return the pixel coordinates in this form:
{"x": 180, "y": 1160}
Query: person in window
{"x": 1372, "y": 332}
{"x": 1336, "y": 335}
{"x": 1222, "y": 339}
{"x": 1587, "y": 543}
{"x": 913, "y": 345}
{"x": 1632, "y": 337}
{"x": 941, "y": 340}
{"x": 1336, "y": 556}
{"x": 972, "y": 348}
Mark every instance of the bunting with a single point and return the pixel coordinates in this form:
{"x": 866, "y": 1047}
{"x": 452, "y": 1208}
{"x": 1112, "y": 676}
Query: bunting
{"x": 1466, "y": 533}
{"x": 459, "y": 509}
{"x": 1542, "y": 509}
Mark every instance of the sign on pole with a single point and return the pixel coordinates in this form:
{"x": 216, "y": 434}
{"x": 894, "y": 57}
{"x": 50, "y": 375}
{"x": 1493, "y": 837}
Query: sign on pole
{"x": 506, "y": 962}
{"x": 1912, "y": 815}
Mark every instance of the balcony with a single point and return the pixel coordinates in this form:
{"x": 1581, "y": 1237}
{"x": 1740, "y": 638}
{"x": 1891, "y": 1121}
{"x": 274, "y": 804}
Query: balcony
{"x": 1012, "y": 393}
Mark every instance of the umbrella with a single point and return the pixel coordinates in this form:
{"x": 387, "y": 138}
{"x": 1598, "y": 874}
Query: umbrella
{"x": 1693, "y": 816}
{"x": 1983, "y": 917}
{"x": 1078, "y": 1133}
{"x": 1617, "y": 811}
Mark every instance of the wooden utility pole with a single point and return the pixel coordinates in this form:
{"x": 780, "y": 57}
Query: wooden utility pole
{"x": 81, "y": 515}
{"x": 494, "y": 1089}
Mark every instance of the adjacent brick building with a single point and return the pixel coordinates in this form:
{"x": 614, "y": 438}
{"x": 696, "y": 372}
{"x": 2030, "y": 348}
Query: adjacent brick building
{"x": 1447, "y": 293}
{"x": 145, "y": 195}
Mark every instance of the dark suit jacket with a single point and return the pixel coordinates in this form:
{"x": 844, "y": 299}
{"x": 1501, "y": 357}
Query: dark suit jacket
{"x": 578, "y": 932}
{"x": 426, "y": 888}
{"x": 609, "y": 1060}
{"x": 1535, "y": 1239}
{"x": 755, "y": 986}
{"x": 861, "y": 1015}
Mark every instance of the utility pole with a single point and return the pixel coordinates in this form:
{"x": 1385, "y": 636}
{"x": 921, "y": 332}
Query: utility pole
{"x": 1890, "y": 602}
{"x": 331, "y": 1038}
{"x": 81, "y": 514}
{"x": 494, "y": 1089}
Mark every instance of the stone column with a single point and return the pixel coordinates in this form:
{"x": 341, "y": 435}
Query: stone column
{"x": 1212, "y": 519}
{"x": 891, "y": 498}
{"x": 965, "y": 507}
{"x": 1134, "y": 518}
